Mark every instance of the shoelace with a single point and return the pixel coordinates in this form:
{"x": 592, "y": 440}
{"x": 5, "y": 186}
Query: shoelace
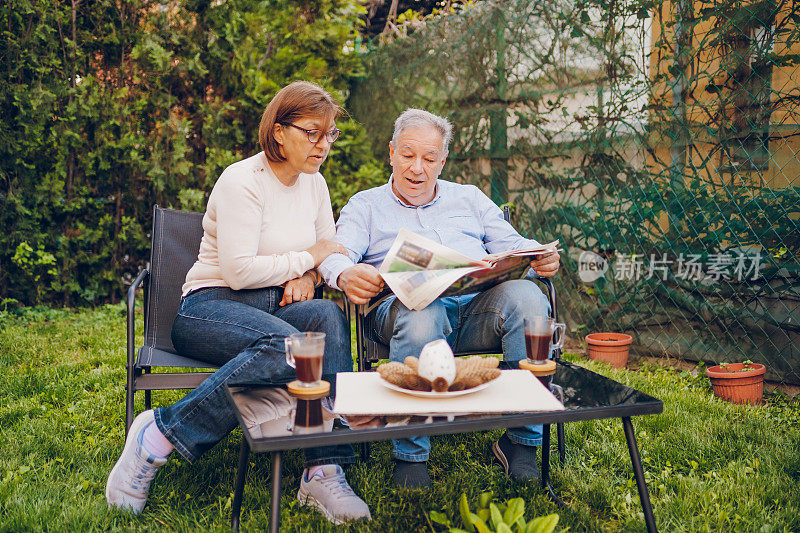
{"x": 337, "y": 485}
{"x": 143, "y": 473}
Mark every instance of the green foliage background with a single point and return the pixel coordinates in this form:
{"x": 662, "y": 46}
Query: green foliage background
{"x": 111, "y": 106}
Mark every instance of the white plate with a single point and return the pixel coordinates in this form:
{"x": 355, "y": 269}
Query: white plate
{"x": 432, "y": 394}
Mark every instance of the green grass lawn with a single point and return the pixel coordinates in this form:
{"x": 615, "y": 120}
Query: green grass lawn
{"x": 710, "y": 466}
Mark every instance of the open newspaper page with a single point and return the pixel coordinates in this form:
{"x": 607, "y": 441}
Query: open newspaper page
{"x": 419, "y": 270}
{"x": 513, "y": 267}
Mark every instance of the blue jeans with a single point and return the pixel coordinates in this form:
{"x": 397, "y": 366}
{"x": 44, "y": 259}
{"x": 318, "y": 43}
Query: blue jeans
{"x": 242, "y": 332}
{"x": 481, "y": 321}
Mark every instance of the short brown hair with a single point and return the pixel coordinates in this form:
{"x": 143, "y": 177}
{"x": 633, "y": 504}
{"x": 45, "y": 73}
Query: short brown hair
{"x": 297, "y": 100}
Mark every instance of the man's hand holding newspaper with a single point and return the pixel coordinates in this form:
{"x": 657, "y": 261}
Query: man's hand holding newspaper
{"x": 419, "y": 270}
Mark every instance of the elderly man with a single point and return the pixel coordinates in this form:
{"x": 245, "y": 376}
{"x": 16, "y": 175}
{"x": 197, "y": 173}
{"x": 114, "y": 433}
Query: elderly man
{"x": 463, "y": 218}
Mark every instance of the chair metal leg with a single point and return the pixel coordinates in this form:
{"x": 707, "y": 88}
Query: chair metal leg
{"x": 238, "y": 491}
{"x": 147, "y": 393}
{"x": 545, "y": 456}
{"x": 359, "y": 323}
{"x": 558, "y": 391}
{"x": 546, "y": 467}
{"x": 130, "y": 341}
{"x": 562, "y": 449}
{"x": 275, "y": 518}
{"x": 128, "y": 405}
{"x": 638, "y": 473}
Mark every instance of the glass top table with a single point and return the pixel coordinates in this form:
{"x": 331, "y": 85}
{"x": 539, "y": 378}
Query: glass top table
{"x": 586, "y": 396}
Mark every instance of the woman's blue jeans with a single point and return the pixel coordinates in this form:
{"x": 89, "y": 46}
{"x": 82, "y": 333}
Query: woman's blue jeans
{"x": 243, "y": 333}
{"x": 468, "y": 323}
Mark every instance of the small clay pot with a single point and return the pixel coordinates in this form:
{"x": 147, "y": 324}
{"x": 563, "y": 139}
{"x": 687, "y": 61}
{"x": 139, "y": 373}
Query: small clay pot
{"x": 609, "y": 347}
{"x": 738, "y": 383}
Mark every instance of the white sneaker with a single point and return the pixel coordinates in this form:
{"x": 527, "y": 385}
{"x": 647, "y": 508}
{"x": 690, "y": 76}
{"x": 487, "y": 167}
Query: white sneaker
{"x": 129, "y": 481}
{"x": 332, "y": 496}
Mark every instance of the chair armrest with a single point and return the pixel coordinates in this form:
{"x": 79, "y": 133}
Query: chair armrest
{"x": 130, "y": 301}
{"x": 359, "y": 317}
{"x": 551, "y": 294}
{"x": 346, "y": 303}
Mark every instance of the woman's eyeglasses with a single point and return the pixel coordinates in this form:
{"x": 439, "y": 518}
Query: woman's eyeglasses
{"x": 315, "y": 135}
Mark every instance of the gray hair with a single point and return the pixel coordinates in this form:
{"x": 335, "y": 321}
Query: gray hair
{"x": 411, "y": 118}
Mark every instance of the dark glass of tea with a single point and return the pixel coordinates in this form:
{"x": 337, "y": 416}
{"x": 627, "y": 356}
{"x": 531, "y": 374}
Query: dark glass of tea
{"x": 304, "y": 353}
{"x": 308, "y": 369}
{"x": 538, "y": 346}
{"x": 539, "y": 333}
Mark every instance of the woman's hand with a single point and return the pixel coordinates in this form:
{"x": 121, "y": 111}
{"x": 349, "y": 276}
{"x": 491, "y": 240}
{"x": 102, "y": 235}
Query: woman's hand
{"x": 299, "y": 289}
{"x": 323, "y": 248}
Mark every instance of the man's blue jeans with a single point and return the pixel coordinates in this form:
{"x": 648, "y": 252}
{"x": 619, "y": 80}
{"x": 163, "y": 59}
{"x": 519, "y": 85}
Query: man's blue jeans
{"x": 243, "y": 333}
{"x": 472, "y": 322}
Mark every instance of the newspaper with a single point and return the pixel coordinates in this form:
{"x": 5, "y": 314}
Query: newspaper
{"x": 419, "y": 270}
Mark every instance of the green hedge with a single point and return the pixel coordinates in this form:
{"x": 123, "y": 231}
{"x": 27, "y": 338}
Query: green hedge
{"x": 108, "y": 107}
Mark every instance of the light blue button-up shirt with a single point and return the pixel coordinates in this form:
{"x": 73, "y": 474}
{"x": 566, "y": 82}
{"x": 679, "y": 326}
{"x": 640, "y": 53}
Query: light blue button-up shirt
{"x": 460, "y": 217}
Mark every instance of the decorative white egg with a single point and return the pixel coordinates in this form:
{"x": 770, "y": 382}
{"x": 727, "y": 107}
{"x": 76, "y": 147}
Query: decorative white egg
{"x": 437, "y": 364}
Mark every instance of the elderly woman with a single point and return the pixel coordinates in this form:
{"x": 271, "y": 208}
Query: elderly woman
{"x": 268, "y": 225}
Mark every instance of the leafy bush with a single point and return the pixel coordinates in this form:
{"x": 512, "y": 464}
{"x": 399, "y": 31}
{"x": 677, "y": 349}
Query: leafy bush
{"x": 109, "y": 108}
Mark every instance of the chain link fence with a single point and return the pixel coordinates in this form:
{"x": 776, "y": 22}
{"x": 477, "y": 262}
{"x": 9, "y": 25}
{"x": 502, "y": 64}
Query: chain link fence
{"x": 658, "y": 141}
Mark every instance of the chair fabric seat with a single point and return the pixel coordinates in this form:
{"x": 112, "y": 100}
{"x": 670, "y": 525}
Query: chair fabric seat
{"x": 149, "y": 356}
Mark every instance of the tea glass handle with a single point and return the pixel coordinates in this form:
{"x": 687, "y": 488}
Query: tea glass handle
{"x": 289, "y": 359}
{"x": 561, "y": 329}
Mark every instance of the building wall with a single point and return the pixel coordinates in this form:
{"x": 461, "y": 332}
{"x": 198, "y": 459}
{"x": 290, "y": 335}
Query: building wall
{"x": 711, "y": 99}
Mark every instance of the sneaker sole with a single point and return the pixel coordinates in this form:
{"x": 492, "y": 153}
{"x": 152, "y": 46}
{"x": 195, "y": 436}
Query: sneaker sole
{"x": 307, "y": 499}
{"x": 138, "y": 423}
{"x": 498, "y": 453}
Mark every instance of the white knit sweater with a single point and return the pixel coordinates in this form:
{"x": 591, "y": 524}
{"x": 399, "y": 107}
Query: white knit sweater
{"x": 255, "y": 228}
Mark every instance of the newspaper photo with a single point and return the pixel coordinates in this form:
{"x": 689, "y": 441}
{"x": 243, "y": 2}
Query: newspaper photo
{"x": 419, "y": 270}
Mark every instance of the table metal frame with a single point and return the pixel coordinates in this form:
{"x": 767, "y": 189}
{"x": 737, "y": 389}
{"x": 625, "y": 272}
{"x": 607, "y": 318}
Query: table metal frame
{"x": 277, "y": 445}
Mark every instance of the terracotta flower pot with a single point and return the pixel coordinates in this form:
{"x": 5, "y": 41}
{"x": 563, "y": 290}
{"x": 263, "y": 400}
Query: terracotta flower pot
{"x": 609, "y": 347}
{"x": 737, "y": 382}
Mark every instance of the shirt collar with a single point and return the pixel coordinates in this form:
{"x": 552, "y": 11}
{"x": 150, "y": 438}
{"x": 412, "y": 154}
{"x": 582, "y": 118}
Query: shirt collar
{"x": 401, "y": 202}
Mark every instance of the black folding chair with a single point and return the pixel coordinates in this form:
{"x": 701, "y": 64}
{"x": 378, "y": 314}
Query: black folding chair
{"x": 175, "y": 242}
{"x": 370, "y": 350}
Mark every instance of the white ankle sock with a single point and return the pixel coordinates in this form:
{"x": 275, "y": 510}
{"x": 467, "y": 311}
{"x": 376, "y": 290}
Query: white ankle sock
{"x": 155, "y": 442}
